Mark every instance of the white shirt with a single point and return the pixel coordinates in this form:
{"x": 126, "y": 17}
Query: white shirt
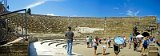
{"x": 87, "y": 39}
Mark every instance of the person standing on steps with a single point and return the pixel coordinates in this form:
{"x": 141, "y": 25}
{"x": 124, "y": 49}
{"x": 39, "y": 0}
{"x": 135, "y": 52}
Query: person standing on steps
{"x": 69, "y": 37}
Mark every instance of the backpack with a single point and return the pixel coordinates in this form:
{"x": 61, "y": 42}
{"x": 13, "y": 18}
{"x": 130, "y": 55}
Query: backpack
{"x": 151, "y": 39}
{"x": 145, "y": 43}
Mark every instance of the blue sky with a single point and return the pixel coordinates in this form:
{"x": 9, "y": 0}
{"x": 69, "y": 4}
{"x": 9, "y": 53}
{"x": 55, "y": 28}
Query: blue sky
{"x": 89, "y": 8}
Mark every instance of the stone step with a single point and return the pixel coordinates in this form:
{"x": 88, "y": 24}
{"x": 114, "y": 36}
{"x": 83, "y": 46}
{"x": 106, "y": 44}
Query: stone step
{"x": 153, "y": 53}
{"x": 153, "y": 48}
{"x": 52, "y": 43}
{"x": 65, "y": 46}
{"x": 14, "y": 54}
{"x": 152, "y": 45}
{"x": 6, "y": 51}
{"x": 59, "y": 44}
{"x": 46, "y": 41}
{"x": 16, "y": 49}
{"x": 62, "y": 45}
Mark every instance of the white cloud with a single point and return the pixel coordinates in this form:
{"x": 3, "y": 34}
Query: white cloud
{"x": 51, "y": 14}
{"x": 35, "y": 4}
{"x": 132, "y": 13}
{"x": 116, "y": 8}
{"x": 136, "y": 13}
{"x": 39, "y": 2}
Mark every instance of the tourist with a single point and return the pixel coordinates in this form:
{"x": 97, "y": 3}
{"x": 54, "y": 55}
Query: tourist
{"x": 152, "y": 39}
{"x": 87, "y": 41}
{"x": 96, "y": 39}
{"x": 116, "y": 49}
{"x": 130, "y": 37}
{"x": 130, "y": 40}
{"x": 140, "y": 41}
{"x": 145, "y": 44}
{"x": 124, "y": 45}
{"x": 104, "y": 46}
{"x": 109, "y": 42}
{"x": 90, "y": 41}
{"x": 135, "y": 41}
{"x": 69, "y": 35}
{"x": 99, "y": 39}
{"x": 158, "y": 42}
{"x": 95, "y": 45}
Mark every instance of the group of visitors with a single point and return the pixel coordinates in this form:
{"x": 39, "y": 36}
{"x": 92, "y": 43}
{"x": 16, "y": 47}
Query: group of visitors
{"x": 94, "y": 42}
{"x": 89, "y": 41}
{"x": 137, "y": 42}
{"x": 142, "y": 42}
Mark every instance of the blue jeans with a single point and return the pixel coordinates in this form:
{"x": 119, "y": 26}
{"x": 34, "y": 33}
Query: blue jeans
{"x": 69, "y": 46}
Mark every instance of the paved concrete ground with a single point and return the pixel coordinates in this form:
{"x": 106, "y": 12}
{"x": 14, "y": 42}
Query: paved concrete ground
{"x": 82, "y": 49}
{"x": 42, "y": 48}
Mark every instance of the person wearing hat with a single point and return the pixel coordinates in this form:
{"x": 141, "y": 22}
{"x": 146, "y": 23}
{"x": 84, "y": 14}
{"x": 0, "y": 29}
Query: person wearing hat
{"x": 145, "y": 44}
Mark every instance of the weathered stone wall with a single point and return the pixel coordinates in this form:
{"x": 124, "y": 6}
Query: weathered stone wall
{"x": 17, "y": 49}
{"x": 114, "y": 25}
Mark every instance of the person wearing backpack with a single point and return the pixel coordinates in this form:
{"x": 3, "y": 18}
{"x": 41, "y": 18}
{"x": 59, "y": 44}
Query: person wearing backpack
{"x": 145, "y": 44}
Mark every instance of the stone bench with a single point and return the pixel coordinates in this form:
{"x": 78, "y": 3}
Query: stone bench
{"x": 52, "y": 43}
{"x": 65, "y": 46}
{"x": 62, "y": 45}
{"x": 45, "y": 42}
{"x": 59, "y": 44}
